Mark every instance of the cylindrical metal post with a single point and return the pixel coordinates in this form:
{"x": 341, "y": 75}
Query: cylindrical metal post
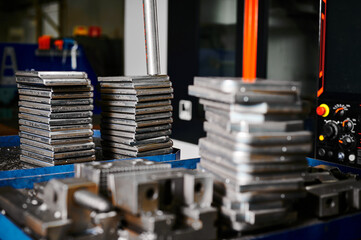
{"x": 151, "y": 37}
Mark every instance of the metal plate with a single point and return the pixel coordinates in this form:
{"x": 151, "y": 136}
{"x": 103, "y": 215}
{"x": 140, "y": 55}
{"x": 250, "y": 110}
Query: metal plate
{"x": 135, "y": 98}
{"x": 239, "y": 157}
{"x": 53, "y": 142}
{"x": 134, "y": 79}
{"x": 59, "y": 134}
{"x": 241, "y": 97}
{"x": 284, "y": 149}
{"x": 58, "y": 148}
{"x": 44, "y": 113}
{"x": 137, "y": 85}
{"x": 52, "y": 74}
{"x": 132, "y": 142}
{"x": 65, "y": 89}
{"x": 137, "y": 118}
{"x": 37, "y": 162}
{"x": 52, "y": 95}
{"x": 133, "y": 136}
{"x": 43, "y": 153}
{"x": 260, "y": 138}
{"x": 51, "y": 108}
{"x": 233, "y": 84}
{"x": 132, "y": 129}
{"x": 54, "y": 122}
{"x": 234, "y": 117}
{"x": 137, "y": 92}
{"x": 138, "y": 124}
{"x": 251, "y": 127}
{"x": 54, "y": 128}
{"x": 131, "y": 104}
{"x": 137, "y": 111}
{"x": 116, "y": 152}
{"x": 138, "y": 148}
{"x": 260, "y": 182}
{"x": 260, "y": 108}
{"x": 253, "y": 167}
{"x": 55, "y": 102}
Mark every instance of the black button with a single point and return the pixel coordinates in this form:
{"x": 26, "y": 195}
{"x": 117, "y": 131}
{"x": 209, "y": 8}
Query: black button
{"x": 321, "y": 152}
{"x": 330, "y": 154}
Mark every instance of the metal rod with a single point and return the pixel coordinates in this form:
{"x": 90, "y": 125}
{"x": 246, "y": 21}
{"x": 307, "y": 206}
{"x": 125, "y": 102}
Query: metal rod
{"x": 151, "y": 37}
{"x": 92, "y": 201}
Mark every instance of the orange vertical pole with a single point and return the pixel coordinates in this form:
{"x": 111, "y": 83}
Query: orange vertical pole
{"x": 250, "y": 30}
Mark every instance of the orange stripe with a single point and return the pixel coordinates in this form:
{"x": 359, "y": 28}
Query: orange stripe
{"x": 250, "y": 30}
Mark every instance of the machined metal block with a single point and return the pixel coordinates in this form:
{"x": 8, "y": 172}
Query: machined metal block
{"x": 50, "y": 108}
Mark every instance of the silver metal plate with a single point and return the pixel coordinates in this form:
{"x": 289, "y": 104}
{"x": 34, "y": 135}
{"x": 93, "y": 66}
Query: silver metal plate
{"x": 137, "y": 118}
{"x": 52, "y": 74}
{"x": 260, "y": 108}
{"x": 131, "y": 104}
{"x": 56, "y": 155}
{"x": 59, "y": 134}
{"x": 58, "y": 148}
{"x": 54, "y": 128}
{"x": 53, "y": 142}
{"x": 233, "y": 84}
{"x": 51, "y": 108}
{"x": 37, "y": 162}
{"x": 260, "y": 182}
{"x": 137, "y": 85}
{"x": 88, "y": 88}
{"x": 234, "y": 117}
{"x": 241, "y": 97}
{"x": 138, "y": 148}
{"x": 55, "y": 102}
{"x": 132, "y": 142}
{"x": 79, "y": 157}
{"x": 137, "y": 111}
{"x": 54, "y": 122}
{"x": 284, "y": 149}
{"x": 52, "y": 95}
{"x": 135, "y": 98}
{"x": 260, "y": 138}
{"x": 116, "y": 152}
{"x": 137, "y": 92}
{"x": 139, "y": 124}
{"x": 134, "y": 79}
{"x": 44, "y": 113}
{"x": 251, "y": 127}
{"x": 133, "y": 129}
{"x": 133, "y": 136}
{"x": 240, "y": 157}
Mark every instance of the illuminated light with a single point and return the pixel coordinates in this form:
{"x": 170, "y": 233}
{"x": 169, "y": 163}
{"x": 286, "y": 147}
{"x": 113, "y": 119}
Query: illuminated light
{"x": 321, "y": 137}
{"x": 340, "y": 141}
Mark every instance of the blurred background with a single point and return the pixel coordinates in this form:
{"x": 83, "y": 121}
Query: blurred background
{"x": 197, "y": 38}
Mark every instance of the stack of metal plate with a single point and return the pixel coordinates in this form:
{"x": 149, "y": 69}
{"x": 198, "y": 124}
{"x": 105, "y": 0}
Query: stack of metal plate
{"x": 55, "y": 118}
{"x": 255, "y": 147}
{"x": 136, "y": 116}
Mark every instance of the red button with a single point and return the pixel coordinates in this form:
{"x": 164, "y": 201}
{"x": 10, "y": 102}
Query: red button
{"x": 320, "y": 111}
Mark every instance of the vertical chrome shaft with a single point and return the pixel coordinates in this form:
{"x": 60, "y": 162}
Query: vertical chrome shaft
{"x": 151, "y": 37}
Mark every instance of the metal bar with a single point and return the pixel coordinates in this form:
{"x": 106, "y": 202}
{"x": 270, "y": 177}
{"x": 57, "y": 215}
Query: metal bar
{"x": 151, "y": 37}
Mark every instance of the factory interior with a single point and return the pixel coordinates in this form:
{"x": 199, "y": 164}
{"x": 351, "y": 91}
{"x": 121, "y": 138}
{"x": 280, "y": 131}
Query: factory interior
{"x": 180, "y": 119}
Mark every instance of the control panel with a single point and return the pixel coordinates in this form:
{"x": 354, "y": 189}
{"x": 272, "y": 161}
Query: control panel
{"x": 338, "y": 133}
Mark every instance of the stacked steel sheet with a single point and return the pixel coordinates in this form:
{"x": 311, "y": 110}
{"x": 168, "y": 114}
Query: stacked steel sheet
{"x": 136, "y": 116}
{"x": 55, "y": 118}
{"x": 255, "y": 147}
